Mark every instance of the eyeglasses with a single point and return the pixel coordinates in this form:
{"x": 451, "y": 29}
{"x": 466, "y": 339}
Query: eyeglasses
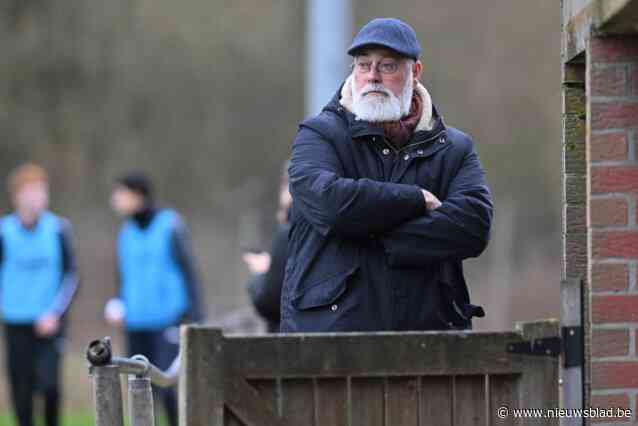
{"x": 387, "y": 67}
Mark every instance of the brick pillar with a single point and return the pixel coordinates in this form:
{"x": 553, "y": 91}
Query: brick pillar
{"x": 612, "y": 116}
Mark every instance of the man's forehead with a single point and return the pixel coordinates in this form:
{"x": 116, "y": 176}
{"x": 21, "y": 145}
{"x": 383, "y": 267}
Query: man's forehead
{"x": 378, "y": 52}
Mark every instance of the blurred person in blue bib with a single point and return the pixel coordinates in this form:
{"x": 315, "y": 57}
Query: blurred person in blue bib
{"x": 159, "y": 286}
{"x": 37, "y": 283}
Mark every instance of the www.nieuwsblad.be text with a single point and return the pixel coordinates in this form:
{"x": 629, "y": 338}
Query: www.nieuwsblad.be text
{"x": 505, "y": 412}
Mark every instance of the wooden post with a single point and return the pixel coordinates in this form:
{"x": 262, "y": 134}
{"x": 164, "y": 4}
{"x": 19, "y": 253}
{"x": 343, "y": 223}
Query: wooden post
{"x": 140, "y": 400}
{"x": 539, "y": 379}
{"x": 107, "y": 395}
{"x": 201, "y": 384}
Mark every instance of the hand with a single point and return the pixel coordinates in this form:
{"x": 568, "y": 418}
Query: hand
{"x": 47, "y": 325}
{"x": 114, "y": 312}
{"x": 431, "y": 202}
{"x": 258, "y": 263}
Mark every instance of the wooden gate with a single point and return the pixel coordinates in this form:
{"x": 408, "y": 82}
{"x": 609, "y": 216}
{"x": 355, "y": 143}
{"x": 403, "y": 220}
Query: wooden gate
{"x": 368, "y": 379}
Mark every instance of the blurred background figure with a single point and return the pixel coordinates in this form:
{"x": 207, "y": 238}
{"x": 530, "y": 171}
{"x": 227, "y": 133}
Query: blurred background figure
{"x": 37, "y": 283}
{"x": 159, "y": 288}
{"x": 268, "y": 269}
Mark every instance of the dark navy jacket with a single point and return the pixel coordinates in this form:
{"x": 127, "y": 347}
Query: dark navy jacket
{"x": 364, "y": 252}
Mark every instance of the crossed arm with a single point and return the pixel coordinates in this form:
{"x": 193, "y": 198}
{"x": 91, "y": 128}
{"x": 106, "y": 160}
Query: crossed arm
{"x": 414, "y": 227}
{"x": 352, "y": 208}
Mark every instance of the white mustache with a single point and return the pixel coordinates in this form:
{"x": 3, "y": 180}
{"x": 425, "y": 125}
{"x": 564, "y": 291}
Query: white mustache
{"x": 375, "y": 88}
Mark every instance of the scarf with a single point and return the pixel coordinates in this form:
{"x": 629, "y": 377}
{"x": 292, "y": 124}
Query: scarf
{"x": 399, "y": 132}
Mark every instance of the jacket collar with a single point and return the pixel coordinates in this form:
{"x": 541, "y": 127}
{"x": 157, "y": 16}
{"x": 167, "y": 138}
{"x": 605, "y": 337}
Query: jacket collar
{"x": 430, "y": 125}
{"x": 426, "y": 122}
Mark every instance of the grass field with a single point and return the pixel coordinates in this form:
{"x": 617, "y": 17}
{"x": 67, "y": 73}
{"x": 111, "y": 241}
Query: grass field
{"x": 67, "y": 420}
{"x": 84, "y": 419}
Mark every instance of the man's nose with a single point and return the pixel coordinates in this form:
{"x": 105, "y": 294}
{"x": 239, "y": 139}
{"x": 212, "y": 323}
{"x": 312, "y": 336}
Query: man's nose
{"x": 373, "y": 76}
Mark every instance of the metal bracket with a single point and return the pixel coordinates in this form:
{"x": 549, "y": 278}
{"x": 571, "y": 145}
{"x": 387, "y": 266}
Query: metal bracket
{"x": 546, "y": 346}
{"x": 99, "y": 352}
{"x": 573, "y": 346}
{"x": 570, "y": 344}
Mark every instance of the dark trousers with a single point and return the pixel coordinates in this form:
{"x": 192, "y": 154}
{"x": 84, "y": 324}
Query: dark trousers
{"x": 33, "y": 365}
{"x": 161, "y": 350}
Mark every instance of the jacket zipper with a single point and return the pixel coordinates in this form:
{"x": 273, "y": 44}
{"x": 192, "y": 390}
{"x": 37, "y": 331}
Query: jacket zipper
{"x": 398, "y": 151}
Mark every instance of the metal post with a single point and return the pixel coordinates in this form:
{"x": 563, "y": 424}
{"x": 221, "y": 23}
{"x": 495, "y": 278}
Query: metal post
{"x": 140, "y": 399}
{"x": 572, "y": 333}
{"x": 328, "y": 34}
{"x": 107, "y": 395}
{"x": 106, "y": 370}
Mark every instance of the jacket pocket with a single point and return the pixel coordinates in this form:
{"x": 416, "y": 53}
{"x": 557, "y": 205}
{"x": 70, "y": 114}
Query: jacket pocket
{"x": 325, "y": 292}
{"x": 331, "y": 305}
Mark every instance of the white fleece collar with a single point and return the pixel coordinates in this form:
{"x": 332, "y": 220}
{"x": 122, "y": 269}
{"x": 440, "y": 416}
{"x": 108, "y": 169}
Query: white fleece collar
{"x": 425, "y": 123}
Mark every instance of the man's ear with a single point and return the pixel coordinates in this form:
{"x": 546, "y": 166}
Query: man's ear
{"x": 417, "y": 70}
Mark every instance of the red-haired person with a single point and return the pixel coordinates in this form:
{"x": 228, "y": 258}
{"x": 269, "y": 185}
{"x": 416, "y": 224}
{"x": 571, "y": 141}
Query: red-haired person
{"x": 37, "y": 283}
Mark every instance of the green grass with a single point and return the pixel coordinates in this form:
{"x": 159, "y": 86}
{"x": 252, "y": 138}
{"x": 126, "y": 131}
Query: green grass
{"x": 69, "y": 420}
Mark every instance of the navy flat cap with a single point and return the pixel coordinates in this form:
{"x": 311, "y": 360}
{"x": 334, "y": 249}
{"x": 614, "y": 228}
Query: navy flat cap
{"x": 387, "y": 32}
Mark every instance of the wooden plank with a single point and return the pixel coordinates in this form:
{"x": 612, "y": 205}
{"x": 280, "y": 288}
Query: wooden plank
{"x": 230, "y": 419}
{"x": 201, "y": 385}
{"x": 503, "y": 393}
{"x": 331, "y": 402}
{"x": 436, "y": 401}
{"x": 365, "y": 355}
{"x": 312, "y": 370}
{"x": 298, "y": 401}
{"x": 402, "y": 401}
{"x": 538, "y": 387}
{"x": 616, "y": 16}
{"x": 469, "y": 401}
{"x": 247, "y": 405}
{"x": 367, "y": 401}
{"x": 269, "y": 392}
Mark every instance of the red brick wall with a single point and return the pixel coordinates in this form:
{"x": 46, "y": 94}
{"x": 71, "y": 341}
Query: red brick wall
{"x": 612, "y": 92}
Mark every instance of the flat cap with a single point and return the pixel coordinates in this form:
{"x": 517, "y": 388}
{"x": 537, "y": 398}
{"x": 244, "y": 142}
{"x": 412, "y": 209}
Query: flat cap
{"x": 391, "y": 33}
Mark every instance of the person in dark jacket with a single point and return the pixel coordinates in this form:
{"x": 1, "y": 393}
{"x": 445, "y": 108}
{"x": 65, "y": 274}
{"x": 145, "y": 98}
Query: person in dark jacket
{"x": 265, "y": 286}
{"x": 159, "y": 286}
{"x": 387, "y": 202}
{"x": 38, "y": 281}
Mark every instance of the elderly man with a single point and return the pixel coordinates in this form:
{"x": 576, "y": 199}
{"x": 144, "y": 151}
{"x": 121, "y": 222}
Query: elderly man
{"x": 387, "y": 202}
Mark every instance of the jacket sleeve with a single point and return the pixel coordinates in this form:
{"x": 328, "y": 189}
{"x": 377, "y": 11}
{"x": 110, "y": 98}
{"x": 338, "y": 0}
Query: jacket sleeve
{"x": 266, "y": 288}
{"x": 183, "y": 253}
{"x": 69, "y": 283}
{"x": 458, "y": 229}
{"x": 332, "y": 203}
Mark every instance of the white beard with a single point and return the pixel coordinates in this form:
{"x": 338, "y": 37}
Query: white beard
{"x": 376, "y": 108}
